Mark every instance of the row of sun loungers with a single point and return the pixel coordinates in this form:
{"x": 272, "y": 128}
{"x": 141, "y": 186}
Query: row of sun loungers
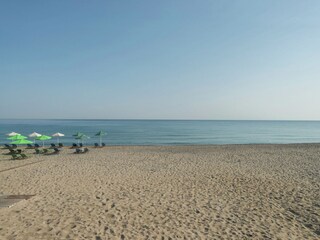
{"x": 14, "y": 151}
{"x": 12, "y": 146}
{"x": 18, "y": 153}
{"x": 47, "y": 151}
{"x": 97, "y": 145}
{"x": 52, "y": 145}
{"x": 54, "y": 149}
{"x": 74, "y": 145}
{"x": 19, "y": 156}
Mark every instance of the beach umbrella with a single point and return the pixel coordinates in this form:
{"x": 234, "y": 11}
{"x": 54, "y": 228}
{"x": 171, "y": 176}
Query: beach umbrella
{"x": 21, "y": 141}
{"x": 100, "y": 134}
{"x": 17, "y": 137}
{"x": 58, "y": 135}
{"x": 77, "y": 136}
{"x": 43, "y": 138}
{"x": 81, "y": 137}
{"x": 13, "y": 134}
{"x": 34, "y": 135}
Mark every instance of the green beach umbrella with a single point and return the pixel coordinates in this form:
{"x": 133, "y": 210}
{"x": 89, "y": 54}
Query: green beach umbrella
{"x": 78, "y": 136}
{"x": 16, "y": 137}
{"x": 21, "y": 141}
{"x": 100, "y": 134}
{"x": 43, "y": 138}
{"x": 81, "y": 137}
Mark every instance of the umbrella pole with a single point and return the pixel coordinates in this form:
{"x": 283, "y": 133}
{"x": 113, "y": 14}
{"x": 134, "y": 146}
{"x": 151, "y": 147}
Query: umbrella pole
{"x": 100, "y": 141}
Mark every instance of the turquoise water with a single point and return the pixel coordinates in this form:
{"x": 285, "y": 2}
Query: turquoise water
{"x": 171, "y": 132}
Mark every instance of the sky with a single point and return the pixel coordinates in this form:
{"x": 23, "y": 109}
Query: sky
{"x": 182, "y": 59}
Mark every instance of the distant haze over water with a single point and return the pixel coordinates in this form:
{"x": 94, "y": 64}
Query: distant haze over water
{"x": 171, "y": 132}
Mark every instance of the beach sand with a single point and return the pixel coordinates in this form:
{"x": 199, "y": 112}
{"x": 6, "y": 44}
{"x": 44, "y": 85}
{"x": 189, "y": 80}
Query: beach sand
{"x": 165, "y": 192}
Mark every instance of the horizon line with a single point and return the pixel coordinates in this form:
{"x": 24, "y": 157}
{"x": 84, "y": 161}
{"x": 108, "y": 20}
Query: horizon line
{"x": 155, "y": 119}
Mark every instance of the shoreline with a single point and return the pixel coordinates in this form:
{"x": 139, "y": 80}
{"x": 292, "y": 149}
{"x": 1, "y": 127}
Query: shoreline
{"x": 178, "y": 145}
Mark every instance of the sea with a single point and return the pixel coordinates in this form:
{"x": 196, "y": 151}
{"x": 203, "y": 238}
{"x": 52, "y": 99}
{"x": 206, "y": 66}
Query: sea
{"x": 169, "y": 132}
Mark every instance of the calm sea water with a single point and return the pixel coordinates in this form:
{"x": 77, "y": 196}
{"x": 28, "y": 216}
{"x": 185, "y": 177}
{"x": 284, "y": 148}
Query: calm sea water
{"x": 171, "y": 132}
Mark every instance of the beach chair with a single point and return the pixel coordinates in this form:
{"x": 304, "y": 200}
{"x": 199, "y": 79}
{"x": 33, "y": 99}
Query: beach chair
{"x": 15, "y": 157}
{"x": 36, "y": 145}
{"x": 78, "y": 150}
{"x": 85, "y": 150}
{"x": 60, "y": 145}
{"x": 14, "y": 146}
{"x": 74, "y": 145}
{"x": 38, "y": 151}
{"x": 29, "y": 146}
{"x": 96, "y": 145}
{"x": 11, "y": 152}
{"x": 56, "y": 150}
{"x": 23, "y": 156}
{"x": 7, "y": 146}
{"x": 103, "y": 144}
{"x": 53, "y": 145}
{"x": 80, "y": 145}
{"x": 46, "y": 151}
{"x": 81, "y": 150}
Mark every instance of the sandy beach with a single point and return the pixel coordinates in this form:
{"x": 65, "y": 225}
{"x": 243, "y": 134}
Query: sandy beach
{"x": 165, "y": 192}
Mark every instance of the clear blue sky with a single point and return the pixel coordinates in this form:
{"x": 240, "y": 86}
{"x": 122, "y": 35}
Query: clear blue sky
{"x": 160, "y": 59}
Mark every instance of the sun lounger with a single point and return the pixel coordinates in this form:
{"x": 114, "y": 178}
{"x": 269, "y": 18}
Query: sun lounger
{"x": 103, "y": 144}
{"x": 74, "y": 145}
{"x": 19, "y": 156}
{"x": 60, "y": 145}
{"x": 53, "y": 145}
{"x": 13, "y": 146}
{"x": 55, "y": 151}
{"x": 29, "y": 146}
{"x": 81, "y": 150}
{"x": 46, "y": 150}
{"x": 38, "y": 151}
{"x": 23, "y": 156}
{"x": 7, "y": 146}
{"x": 36, "y": 145}
{"x": 12, "y": 151}
{"x": 42, "y": 151}
{"x": 78, "y": 150}
{"x": 15, "y": 157}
